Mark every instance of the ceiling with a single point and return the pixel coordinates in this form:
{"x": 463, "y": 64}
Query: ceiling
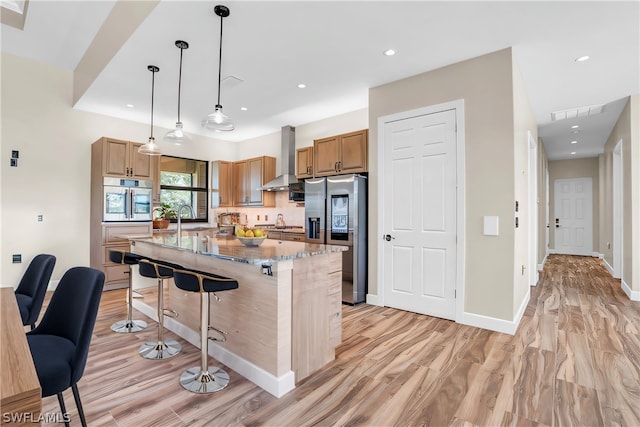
{"x": 335, "y": 48}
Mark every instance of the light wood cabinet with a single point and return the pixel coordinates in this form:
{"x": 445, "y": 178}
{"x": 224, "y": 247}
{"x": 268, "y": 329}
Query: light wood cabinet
{"x": 248, "y": 176}
{"x": 341, "y": 154}
{"x": 121, "y": 159}
{"x": 304, "y": 162}
{"x": 107, "y": 237}
{"x": 221, "y": 184}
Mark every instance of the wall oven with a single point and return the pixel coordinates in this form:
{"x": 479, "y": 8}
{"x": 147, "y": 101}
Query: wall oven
{"x": 127, "y": 200}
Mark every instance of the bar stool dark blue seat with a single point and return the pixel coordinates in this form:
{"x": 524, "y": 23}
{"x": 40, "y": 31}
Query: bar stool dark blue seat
{"x": 160, "y": 270}
{"x": 127, "y": 325}
{"x": 201, "y": 379}
{"x": 33, "y": 286}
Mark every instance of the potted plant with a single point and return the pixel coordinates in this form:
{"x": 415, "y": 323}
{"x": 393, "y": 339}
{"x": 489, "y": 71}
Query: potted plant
{"x": 163, "y": 214}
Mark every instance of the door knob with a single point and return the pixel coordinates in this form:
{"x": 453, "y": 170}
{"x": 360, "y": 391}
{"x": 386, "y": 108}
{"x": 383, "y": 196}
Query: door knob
{"x": 388, "y": 237}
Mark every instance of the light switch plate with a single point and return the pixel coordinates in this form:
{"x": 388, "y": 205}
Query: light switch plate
{"x": 491, "y": 225}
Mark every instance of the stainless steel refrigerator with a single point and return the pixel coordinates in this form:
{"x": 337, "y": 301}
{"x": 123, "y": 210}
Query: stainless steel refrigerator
{"x": 336, "y": 214}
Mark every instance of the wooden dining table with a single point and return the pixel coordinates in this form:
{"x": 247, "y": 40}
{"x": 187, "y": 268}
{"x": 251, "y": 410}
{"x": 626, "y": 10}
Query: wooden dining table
{"x": 20, "y": 393}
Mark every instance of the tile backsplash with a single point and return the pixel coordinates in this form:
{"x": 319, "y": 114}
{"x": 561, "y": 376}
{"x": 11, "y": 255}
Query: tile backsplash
{"x": 292, "y": 212}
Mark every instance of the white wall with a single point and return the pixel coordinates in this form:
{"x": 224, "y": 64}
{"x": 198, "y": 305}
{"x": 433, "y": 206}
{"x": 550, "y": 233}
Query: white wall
{"x": 485, "y": 84}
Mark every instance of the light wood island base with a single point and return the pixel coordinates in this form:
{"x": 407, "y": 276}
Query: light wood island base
{"x": 280, "y": 328}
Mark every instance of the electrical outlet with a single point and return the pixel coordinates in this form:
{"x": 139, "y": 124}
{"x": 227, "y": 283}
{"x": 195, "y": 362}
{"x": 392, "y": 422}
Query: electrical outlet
{"x": 608, "y": 245}
{"x": 17, "y": 258}
{"x": 14, "y": 163}
{"x": 257, "y": 217}
{"x": 266, "y": 217}
{"x": 40, "y": 218}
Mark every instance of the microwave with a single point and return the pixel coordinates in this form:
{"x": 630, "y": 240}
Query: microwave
{"x": 296, "y": 192}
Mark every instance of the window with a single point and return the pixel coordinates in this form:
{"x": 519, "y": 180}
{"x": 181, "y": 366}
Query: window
{"x": 184, "y": 182}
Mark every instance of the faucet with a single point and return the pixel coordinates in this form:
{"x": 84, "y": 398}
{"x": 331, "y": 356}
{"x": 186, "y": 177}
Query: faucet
{"x": 180, "y": 221}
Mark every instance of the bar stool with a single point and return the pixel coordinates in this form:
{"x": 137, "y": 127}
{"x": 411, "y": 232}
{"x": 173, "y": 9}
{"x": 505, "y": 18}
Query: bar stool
{"x": 161, "y": 271}
{"x": 128, "y": 325}
{"x": 201, "y": 379}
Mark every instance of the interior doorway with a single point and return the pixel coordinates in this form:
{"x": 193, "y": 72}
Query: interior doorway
{"x": 533, "y": 210}
{"x": 617, "y": 210}
{"x": 573, "y": 216}
{"x": 420, "y": 260}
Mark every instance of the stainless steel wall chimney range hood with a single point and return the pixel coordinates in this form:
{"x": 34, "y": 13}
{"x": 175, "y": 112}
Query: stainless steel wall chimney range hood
{"x": 287, "y": 161}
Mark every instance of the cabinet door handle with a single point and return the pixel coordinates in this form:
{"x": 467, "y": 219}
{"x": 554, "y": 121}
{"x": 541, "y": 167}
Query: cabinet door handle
{"x": 339, "y": 165}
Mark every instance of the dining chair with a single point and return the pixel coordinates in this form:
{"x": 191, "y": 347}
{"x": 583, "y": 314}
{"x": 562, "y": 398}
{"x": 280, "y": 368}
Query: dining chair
{"x": 33, "y": 286}
{"x": 60, "y": 343}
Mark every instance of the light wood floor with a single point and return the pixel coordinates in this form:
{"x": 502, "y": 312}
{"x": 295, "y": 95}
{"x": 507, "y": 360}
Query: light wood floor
{"x": 575, "y": 360}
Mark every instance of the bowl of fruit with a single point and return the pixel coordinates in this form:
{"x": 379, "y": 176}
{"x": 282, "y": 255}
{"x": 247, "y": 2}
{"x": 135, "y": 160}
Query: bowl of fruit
{"x": 250, "y": 236}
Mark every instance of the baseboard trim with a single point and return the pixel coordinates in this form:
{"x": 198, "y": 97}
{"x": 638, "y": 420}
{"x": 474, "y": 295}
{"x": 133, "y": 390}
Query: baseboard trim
{"x": 277, "y": 386}
{"x": 544, "y": 261}
{"x": 552, "y": 251}
{"x": 633, "y": 295}
{"x": 372, "y": 299}
{"x": 597, "y": 255}
{"x": 609, "y": 267}
{"x": 495, "y": 324}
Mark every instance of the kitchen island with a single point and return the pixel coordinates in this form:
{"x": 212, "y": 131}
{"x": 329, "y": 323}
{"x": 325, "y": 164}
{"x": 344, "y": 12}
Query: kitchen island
{"x": 284, "y": 320}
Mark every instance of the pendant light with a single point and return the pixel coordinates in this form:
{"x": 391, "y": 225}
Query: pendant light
{"x": 151, "y": 148}
{"x": 177, "y": 136}
{"x": 218, "y": 120}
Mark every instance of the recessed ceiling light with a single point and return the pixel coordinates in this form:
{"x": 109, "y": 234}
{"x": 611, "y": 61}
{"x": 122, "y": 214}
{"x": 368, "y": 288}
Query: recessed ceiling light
{"x": 573, "y": 152}
{"x": 389, "y": 52}
{"x": 582, "y": 58}
{"x": 575, "y": 127}
{"x": 129, "y": 105}
{"x": 574, "y": 142}
{"x": 243, "y": 108}
{"x": 302, "y": 85}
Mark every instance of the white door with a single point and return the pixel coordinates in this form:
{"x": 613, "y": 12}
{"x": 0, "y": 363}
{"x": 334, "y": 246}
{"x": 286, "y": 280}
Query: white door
{"x": 419, "y": 214}
{"x": 573, "y": 216}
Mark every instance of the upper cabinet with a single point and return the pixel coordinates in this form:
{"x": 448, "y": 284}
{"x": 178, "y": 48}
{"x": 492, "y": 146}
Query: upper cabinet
{"x": 221, "y": 184}
{"x": 248, "y": 176}
{"x": 341, "y": 154}
{"x": 121, "y": 159}
{"x": 304, "y": 162}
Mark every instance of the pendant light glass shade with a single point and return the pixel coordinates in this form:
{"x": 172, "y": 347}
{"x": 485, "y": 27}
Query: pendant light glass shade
{"x": 177, "y": 136}
{"x": 218, "y": 120}
{"x": 151, "y": 148}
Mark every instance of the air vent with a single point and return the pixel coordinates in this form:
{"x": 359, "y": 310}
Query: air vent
{"x": 230, "y": 81}
{"x": 571, "y": 113}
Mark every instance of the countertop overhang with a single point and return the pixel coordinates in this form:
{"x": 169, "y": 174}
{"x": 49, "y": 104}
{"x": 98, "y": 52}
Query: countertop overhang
{"x": 230, "y": 248}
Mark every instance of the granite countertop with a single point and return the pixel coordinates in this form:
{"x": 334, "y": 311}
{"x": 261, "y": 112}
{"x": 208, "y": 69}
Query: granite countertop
{"x": 232, "y": 249}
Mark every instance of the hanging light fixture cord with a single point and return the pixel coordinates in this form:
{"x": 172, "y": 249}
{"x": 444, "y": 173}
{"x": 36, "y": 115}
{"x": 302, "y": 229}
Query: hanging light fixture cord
{"x": 182, "y": 47}
{"x": 179, "y": 83}
{"x": 220, "y": 59}
{"x": 153, "y": 70}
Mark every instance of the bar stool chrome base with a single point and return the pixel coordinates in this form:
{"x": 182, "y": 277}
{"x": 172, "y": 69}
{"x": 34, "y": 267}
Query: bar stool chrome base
{"x": 197, "y": 381}
{"x": 128, "y": 326}
{"x": 160, "y": 349}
